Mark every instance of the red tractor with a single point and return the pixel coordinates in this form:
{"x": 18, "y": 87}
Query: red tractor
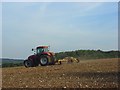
{"x": 42, "y": 57}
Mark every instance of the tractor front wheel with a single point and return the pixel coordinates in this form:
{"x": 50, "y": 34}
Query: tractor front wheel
{"x": 28, "y": 63}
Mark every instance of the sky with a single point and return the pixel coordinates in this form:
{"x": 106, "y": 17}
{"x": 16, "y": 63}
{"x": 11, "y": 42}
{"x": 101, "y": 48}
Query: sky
{"x": 65, "y": 26}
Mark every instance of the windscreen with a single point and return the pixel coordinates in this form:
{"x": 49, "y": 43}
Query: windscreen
{"x": 40, "y": 50}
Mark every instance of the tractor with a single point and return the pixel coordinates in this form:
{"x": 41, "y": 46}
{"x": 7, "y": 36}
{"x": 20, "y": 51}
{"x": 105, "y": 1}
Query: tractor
{"x": 42, "y": 56}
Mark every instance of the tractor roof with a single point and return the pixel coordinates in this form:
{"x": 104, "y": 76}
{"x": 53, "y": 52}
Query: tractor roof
{"x": 42, "y": 47}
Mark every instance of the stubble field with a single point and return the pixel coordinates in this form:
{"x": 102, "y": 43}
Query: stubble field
{"x": 99, "y": 73}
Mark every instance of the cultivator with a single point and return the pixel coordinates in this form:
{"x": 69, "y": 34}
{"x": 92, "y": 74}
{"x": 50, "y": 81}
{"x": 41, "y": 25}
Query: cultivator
{"x": 68, "y": 60}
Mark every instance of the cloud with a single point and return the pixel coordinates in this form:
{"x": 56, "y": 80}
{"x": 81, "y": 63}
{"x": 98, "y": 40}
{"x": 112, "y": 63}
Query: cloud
{"x": 43, "y": 8}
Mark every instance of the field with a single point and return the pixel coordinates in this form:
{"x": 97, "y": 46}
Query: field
{"x": 99, "y": 73}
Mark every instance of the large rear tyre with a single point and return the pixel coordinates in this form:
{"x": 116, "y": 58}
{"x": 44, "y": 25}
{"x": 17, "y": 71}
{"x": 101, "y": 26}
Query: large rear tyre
{"x": 44, "y": 60}
{"x": 28, "y": 63}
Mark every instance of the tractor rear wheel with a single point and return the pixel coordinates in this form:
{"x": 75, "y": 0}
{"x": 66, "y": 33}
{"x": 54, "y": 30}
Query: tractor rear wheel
{"x": 44, "y": 60}
{"x": 28, "y": 63}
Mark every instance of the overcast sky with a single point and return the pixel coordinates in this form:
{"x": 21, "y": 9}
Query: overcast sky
{"x": 64, "y": 26}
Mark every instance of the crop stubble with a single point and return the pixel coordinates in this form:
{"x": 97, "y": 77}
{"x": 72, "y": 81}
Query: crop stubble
{"x": 99, "y": 73}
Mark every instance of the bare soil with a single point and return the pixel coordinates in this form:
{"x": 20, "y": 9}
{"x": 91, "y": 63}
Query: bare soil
{"x": 99, "y": 73}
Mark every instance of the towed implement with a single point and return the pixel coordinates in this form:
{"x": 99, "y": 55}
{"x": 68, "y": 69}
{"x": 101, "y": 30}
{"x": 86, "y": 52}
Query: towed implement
{"x": 68, "y": 60}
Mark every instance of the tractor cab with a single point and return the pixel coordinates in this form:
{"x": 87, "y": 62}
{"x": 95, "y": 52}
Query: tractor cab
{"x": 41, "y": 49}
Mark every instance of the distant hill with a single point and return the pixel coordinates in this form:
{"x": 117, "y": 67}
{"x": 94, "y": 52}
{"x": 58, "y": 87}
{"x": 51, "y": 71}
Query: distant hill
{"x": 6, "y": 62}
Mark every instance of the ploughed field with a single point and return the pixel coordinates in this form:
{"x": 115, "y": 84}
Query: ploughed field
{"x": 99, "y": 73}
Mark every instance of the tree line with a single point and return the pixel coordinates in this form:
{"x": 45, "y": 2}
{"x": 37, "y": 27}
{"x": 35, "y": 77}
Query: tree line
{"x": 88, "y": 54}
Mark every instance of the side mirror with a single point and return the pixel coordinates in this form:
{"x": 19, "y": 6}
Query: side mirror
{"x": 32, "y": 49}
